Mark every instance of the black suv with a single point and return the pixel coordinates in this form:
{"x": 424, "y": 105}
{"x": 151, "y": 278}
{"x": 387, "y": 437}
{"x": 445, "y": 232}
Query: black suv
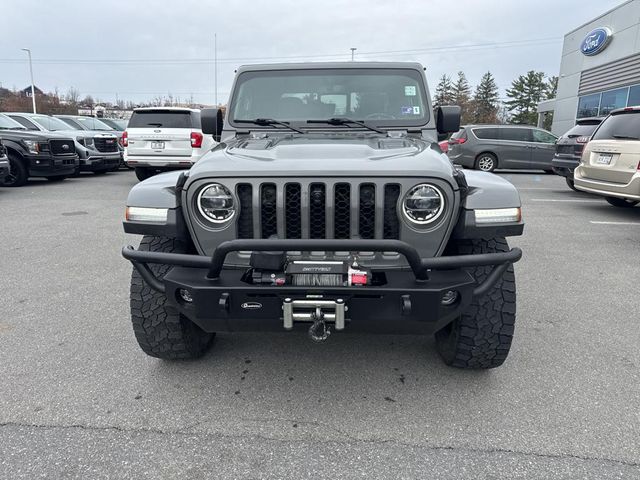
{"x": 33, "y": 154}
{"x": 569, "y": 148}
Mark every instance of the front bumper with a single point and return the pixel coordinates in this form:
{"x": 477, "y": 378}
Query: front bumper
{"x": 4, "y": 168}
{"x": 97, "y": 162}
{"x": 52, "y": 166}
{"x": 407, "y": 302}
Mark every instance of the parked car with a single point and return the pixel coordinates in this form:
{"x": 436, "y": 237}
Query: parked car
{"x": 352, "y": 222}
{"x": 487, "y": 147}
{"x": 5, "y": 170}
{"x": 98, "y": 151}
{"x": 610, "y": 164}
{"x": 35, "y": 154}
{"x": 118, "y": 124}
{"x": 166, "y": 138}
{"x": 80, "y": 122}
{"x": 569, "y": 148}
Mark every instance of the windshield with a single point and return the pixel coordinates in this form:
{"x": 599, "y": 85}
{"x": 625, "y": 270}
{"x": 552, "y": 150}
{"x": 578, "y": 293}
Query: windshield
{"x": 581, "y": 131}
{"x": 72, "y": 123}
{"x": 386, "y": 97}
{"x": 91, "y": 123}
{"x": 50, "y": 123}
{"x": 619, "y": 126}
{"x": 7, "y": 124}
{"x": 161, "y": 118}
{"x": 115, "y": 123}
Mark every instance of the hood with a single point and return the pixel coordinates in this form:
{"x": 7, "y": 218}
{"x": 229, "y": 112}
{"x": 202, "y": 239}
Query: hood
{"x": 339, "y": 154}
{"x": 33, "y": 135}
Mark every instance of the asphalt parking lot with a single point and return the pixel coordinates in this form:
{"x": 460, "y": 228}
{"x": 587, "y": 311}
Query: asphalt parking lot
{"x": 79, "y": 399}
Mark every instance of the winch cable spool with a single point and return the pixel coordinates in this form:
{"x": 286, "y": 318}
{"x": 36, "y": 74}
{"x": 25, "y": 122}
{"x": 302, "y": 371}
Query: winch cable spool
{"x": 317, "y": 280}
{"x": 318, "y": 331}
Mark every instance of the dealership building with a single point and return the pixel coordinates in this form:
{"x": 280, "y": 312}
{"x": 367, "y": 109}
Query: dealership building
{"x": 600, "y": 68}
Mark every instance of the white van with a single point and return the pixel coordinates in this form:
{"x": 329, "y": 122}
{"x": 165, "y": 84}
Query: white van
{"x": 164, "y": 138}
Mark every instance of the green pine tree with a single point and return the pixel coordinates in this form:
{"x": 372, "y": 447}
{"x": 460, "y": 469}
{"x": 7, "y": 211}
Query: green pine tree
{"x": 461, "y": 93}
{"x": 524, "y": 95}
{"x": 444, "y": 91}
{"x": 485, "y": 100}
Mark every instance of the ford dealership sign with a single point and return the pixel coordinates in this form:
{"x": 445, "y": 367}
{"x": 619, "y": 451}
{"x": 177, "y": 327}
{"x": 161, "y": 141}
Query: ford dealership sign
{"x": 596, "y": 41}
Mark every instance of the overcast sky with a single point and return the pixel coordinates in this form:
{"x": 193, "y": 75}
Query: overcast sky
{"x": 141, "y": 49}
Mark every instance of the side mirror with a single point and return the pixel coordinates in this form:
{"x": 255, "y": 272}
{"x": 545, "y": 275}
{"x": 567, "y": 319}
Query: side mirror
{"x": 212, "y": 122}
{"x": 448, "y": 119}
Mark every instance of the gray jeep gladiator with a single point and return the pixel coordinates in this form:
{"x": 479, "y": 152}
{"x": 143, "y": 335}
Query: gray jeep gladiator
{"x": 327, "y": 206}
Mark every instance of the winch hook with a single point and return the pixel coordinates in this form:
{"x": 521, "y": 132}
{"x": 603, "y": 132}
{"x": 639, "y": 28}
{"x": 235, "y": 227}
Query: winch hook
{"x": 319, "y": 330}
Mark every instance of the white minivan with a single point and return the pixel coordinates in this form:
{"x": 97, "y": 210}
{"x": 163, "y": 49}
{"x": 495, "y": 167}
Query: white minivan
{"x": 164, "y": 138}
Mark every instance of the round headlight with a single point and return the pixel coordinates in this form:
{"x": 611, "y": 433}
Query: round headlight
{"x": 423, "y": 204}
{"x": 216, "y": 204}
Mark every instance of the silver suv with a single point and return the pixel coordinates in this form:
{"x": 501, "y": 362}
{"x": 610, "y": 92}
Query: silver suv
{"x": 487, "y": 147}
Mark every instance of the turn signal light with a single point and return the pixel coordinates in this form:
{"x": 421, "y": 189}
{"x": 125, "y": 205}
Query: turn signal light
{"x": 196, "y": 139}
{"x": 125, "y": 139}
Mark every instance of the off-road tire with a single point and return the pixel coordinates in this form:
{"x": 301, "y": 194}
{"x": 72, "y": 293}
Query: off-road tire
{"x": 19, "y": 172}
{"x": 571, "y": 184}
{"x": 486, "y": 159}
{"x": 143, "y": 173}
{"x": 481, "y": 337}
{"x": 160, "y": 330}
{"x": 621, "y": 202}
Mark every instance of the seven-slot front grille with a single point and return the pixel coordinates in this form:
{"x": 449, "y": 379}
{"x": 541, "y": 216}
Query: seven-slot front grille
{"x": 62, "y": 147}
{"x": 105, "y": 144}
{"x": 318, "y": 210}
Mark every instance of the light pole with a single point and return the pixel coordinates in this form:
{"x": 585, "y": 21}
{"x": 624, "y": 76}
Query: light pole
{"x": 353, "y": 50}
{"x": 215, "y": 68}
{"x": 33, "y": 90}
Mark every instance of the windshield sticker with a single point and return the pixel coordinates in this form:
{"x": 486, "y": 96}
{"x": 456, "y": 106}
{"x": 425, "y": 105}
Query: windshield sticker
{"x": 406, "y": 110}
{"x": 410, "y": 91}
{"x": 416, "y": 110}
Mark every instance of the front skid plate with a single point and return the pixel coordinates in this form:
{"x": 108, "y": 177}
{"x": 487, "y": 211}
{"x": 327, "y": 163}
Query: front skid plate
{"x": 403, "y": 305}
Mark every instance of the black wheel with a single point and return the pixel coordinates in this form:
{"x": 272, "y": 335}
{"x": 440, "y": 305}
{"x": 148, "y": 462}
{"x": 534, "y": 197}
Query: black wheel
{"x": 621, "y": 202}
{"x": 76, "y": 172}
{"x": 549, "y": 172}
{"x": 100, "y": 172}
{"x": 160, "y": 330}
{"x": 18, "y": 172}
{"x": 481, "y": 337}
{"x": 487, "y": 162}
{"x": 143, "y": 173}
{"x": 570, "y": 184}
{"x": 56, "y": 179}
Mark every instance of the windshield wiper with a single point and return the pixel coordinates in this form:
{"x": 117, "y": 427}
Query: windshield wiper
{"x": 625, "y": 137}
{"x": 265, "y": 122}
{"x": 346, "y": 121}
{"x": 155, "y": 124}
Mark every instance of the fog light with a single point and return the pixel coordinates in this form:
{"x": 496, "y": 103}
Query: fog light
{"x": 186, "y": 295}
{"x": 449, "y": 297}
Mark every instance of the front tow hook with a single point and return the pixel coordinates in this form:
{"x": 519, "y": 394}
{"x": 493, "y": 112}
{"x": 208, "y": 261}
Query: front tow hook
{"x": 318, "y": 331}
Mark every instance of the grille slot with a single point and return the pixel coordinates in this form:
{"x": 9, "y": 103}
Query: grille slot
{"x": 342, "y": 211}
{"x": 367, "y": 214}
{"x": 269, "y": 212}
{"x": 318, "y": 210}
{"x": 292, "y": 210}
{"x": 391, "y": 222}
{"x": 317, "y": 205}
{"x": 58, "y": 147}
{"x": 245, "y": 219}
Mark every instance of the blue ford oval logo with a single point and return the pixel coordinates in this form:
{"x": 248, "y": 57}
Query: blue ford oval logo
{"x": 596, "y": 41}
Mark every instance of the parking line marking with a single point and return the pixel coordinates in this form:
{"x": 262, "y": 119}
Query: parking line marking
{"x": 597, "y": 222}
{"x": 565, "y": 200}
